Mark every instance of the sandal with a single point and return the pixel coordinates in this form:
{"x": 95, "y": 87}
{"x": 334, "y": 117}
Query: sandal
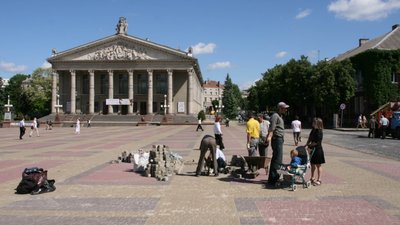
{"x": 317, "y": 183}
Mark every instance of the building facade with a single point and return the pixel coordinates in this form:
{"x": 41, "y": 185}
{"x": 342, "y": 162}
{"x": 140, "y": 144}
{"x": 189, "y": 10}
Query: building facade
{"x": 126, "y": 75}
{"x": 212, "y": 90}
{"x": 388, "y": 41}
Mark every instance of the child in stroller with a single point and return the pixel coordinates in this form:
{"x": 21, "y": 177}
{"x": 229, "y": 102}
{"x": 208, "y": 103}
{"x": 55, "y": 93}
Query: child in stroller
{"x": 300, "y": 162}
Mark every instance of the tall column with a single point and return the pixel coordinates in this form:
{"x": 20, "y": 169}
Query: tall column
{"x": 91, "y": 91}
{"x": 150, "y": 92}
{"x": 110, "y": 89}
{"x": 190, "y": 90}
{"x": 130, "y": 91}
{"x": 54, "y": 93}
{"x": 73, "y": 91}
{"x": 170, "y": 88}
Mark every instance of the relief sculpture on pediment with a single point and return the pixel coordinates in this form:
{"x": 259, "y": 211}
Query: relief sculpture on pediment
{"x": 119, "y": 52}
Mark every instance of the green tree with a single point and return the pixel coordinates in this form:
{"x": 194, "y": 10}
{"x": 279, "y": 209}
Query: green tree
{"x": 18, "y": 98}
{"x": 39, "y": 92}
{"x": 3, "y": 98}
{"x": 229, "y": 99}
{"x": 201, "y": 115}
{"x": 332, "y": 84}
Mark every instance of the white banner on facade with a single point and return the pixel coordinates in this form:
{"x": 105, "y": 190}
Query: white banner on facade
{"x": 181, "y": 107}
{"x": 116, "y": 101}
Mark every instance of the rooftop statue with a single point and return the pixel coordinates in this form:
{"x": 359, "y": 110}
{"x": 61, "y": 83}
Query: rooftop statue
{"x": 122, "y": 26}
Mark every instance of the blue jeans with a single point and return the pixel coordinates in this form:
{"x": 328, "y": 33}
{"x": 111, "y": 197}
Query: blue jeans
{"x": 253, "y": 146}
{"x": 276, "y": 161}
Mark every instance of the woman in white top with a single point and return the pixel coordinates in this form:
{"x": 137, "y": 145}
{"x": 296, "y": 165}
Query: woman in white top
{"x": 296, "y": 126}
{"x": 34, "y": 127}
{"x": 78, "y": 126}
{"x": 218, "y": 132}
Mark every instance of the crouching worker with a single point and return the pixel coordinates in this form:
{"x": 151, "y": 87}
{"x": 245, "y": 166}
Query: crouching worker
{"x": 221, "y": 161}
{"x": 207, "y": 143}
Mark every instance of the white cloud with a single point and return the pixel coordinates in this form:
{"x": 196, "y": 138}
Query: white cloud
{"x": 202, "y": 48}
{"x": 11, "y": 67}
{"x": 247, "y": 85}
{"x": 219, "y": 65}
{"x": 303, "y": 14}
{"x": 363, "y": 9}
{"x": 46, "y": 65}
{"x": 314, "y": 54}
{"x": 281, "y": 54}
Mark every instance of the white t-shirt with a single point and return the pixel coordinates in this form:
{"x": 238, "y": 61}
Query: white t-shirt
{"x": 217, "y": 128}
{"x": 296, "y": 126}
{"x": 219, "y": 154}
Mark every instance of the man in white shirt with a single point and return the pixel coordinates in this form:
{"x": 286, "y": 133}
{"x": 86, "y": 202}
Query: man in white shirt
{"x": 384, "y": 122}
{"x": 296, "y": 126}
{"x": 263, "y": 142}
{"x": 21, "y": 128}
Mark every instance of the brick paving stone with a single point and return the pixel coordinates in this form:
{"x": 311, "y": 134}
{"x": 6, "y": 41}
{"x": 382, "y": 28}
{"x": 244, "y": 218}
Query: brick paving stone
{"x": 86, "y": 204}
{"x": 252, "y": 221}
{"x": 49, "y": 220}
{"x": 16, "y": 172}
{"x": 116, "y": 174}
{"x": 385, "y": 169}
{"x": 326, "y": 211}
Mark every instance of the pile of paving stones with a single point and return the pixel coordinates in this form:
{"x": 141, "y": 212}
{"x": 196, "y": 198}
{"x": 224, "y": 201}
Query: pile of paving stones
{"x": 163, "y": 163}
{"x": 158, "y": 162}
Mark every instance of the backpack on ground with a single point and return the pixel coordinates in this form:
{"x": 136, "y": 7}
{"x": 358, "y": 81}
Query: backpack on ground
{"x": 34, "y": 181}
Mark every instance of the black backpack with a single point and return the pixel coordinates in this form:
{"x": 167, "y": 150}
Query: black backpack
{"x": 27, "y": 185}
{"x": 34, "y": 181}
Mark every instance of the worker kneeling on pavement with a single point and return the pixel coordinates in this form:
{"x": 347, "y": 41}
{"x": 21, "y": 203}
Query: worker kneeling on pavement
{"x": 221, "y": 161}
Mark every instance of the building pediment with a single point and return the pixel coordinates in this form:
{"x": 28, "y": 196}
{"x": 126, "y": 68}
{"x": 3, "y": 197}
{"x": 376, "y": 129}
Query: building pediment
{"x": 121, "y": 47}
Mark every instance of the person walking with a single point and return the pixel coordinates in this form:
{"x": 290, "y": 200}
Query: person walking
{"x": 359, "y": 121}
{"x": 384, "y": 122}
{"x": 34, "y": 127}
{"x": 199, "y": 125}
{"x": 218, "y": 132}
{"x": 253, "y": 134}
{"x": 276, "y": 138}
{"x": 22, "y": 128}
{"x": 296, "y": 127}
{"x": 314, "y": 142}
{"x": 88, "y": 123}
{"x": 372, "y": 127}
{"x": 263, "y": 142}
{"x": 78, "y": 126}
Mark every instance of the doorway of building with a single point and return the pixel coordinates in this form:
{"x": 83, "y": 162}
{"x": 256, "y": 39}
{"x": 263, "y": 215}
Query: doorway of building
{"x": 143, "y": 108}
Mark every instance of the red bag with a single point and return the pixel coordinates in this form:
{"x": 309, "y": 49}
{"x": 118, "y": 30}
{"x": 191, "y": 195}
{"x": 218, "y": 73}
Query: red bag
{"x": 37, "y": 174}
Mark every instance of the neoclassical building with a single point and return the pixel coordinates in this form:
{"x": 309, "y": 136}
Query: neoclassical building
{"x": 127, "y": 75}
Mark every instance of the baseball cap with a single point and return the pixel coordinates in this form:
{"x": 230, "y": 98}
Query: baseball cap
{"x": 282, "y": 105}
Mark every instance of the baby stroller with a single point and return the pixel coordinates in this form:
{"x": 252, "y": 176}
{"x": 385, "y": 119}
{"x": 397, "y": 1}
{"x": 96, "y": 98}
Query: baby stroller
{"x": 298, "y": 174}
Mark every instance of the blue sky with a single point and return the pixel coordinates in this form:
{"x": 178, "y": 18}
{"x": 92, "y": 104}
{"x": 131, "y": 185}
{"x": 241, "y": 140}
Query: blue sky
{"x": 235, "y": 37}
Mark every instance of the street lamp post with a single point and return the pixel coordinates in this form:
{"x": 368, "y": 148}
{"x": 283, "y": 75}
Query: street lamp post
{"x": 8, "y": 106}
{"x": 7, "y": 115}
{"x": 58, "y": 106}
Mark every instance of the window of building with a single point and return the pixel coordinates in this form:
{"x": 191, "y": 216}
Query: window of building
{"x": 142, "y": 84}
{"x": 123, "y": 84}
{"x": 395, "y": 78}
{"x": 103, "y": 84}
{"x": 161, "y": 84}
{"x": 359, "y": 79}
{"x": 85, "y": 84}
